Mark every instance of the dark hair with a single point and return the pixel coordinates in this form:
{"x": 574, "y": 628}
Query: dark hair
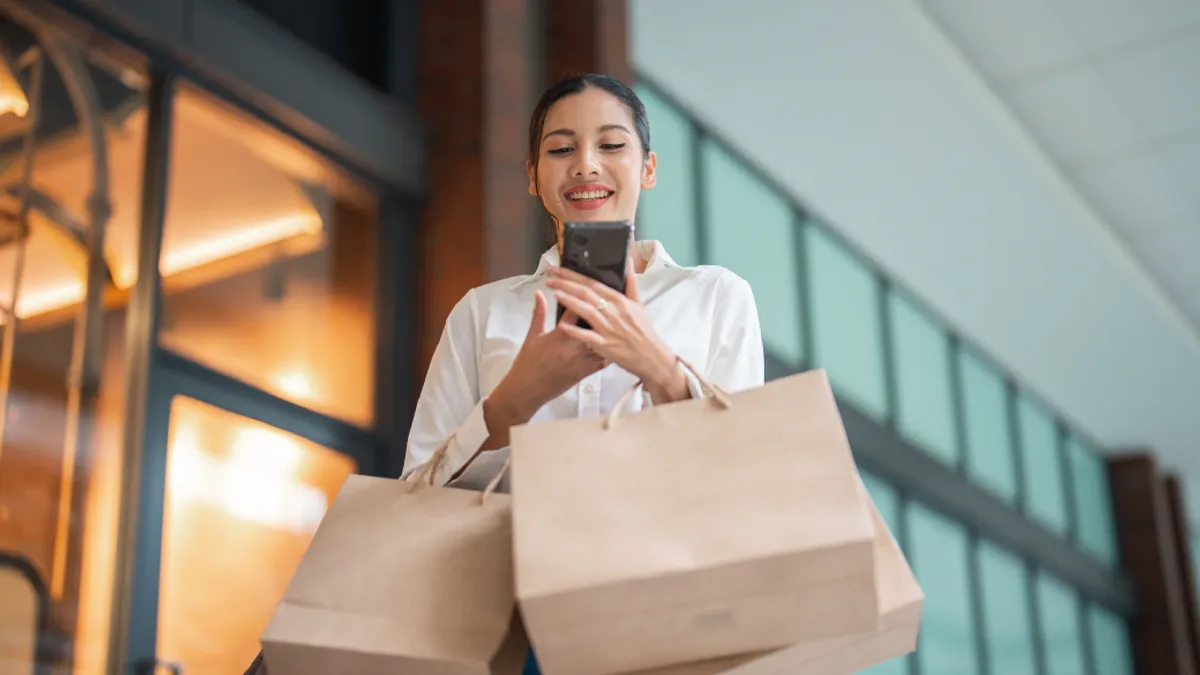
{"x": 576, "y": 84}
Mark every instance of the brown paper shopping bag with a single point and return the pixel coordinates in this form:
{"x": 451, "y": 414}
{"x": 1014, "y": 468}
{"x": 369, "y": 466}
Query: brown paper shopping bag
{"x": 700, "y": 529}
{"x": 901, "y": 602}
{"x": 403, "y": 578}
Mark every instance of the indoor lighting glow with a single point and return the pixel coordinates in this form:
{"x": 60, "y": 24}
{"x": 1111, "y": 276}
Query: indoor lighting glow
{"x": 256, "y": 484}
{"x": 243, "y": 240}
{"x": 70, "y": 293}
{"x": 296, "y": 385}
{"x": 12, "y": 97}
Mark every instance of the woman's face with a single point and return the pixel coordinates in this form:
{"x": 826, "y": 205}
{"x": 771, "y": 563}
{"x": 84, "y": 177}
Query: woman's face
{"x": 591, "y": 165}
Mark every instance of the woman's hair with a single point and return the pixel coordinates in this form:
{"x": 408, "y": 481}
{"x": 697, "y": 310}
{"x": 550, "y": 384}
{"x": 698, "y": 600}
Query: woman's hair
{"x": 576, "y": 84}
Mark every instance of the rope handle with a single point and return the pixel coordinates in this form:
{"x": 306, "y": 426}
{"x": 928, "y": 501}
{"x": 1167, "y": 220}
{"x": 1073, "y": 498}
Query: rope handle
{"x": 711, "y": 391}
{"x": 430, "y": 468}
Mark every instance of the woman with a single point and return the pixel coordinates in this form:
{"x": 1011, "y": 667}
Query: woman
{"x": 503, "y": 362}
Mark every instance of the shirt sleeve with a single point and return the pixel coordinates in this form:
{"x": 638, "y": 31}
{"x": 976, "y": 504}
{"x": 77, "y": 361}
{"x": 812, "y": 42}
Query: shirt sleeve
{"x": 735, "y": 357}
{"x": 451, "y": 407}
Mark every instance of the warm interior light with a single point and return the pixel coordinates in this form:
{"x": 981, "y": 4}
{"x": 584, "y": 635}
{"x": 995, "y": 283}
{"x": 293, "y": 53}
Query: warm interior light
{"x": 35, "y": 302}
{"x": 12, "y": 96}
{"x": 255, "y": 481}
{"x": 295, "y": 384}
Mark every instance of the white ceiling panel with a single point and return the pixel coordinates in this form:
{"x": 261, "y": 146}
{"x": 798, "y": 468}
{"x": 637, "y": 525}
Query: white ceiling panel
{"x": 1182, "y": 157}
{"x": 1108, "y": 25}
{"x": 1173, "y": 257}
{"x": 1008, "y": 39}
{"x": 1076, "y": 113}
{"x": 1161, "y": 84}
{"x": 1135, "y": 193}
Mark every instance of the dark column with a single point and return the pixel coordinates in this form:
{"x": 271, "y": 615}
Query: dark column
{"x": 1162, "y": 641}
{"x": 1183, "y": 561}
{"x": 474, "y": 98}
{"x": 588, "y": 36}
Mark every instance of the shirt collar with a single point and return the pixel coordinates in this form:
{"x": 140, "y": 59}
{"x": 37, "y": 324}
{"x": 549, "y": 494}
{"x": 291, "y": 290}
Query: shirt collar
{"x": 650, "y": 250}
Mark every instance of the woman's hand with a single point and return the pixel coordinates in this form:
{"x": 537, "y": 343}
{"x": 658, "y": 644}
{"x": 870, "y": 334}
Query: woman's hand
{"x": 620, "y": 331}
{"x": 548, "y": 364}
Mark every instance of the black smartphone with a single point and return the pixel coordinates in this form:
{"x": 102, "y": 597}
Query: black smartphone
{"x": 598, "y": 250}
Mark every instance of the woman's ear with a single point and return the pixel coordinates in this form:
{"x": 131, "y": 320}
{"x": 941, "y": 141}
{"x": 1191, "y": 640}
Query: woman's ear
{"x": 532, "y": 171}
{"x": 650, "y": 171}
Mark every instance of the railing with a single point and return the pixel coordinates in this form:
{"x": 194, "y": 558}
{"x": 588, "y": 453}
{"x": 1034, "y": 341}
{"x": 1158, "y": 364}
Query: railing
{"x": 824, "y": 303}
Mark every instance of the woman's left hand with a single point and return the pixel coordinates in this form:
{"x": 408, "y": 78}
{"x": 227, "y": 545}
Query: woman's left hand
{"x": 620, "y": 331}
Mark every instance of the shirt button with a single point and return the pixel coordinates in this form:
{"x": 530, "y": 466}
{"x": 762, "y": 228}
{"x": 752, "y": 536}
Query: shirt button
{"x": 589, "y": 389}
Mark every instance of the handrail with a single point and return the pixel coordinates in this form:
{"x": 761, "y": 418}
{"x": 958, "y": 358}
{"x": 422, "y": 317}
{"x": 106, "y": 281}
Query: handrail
{"x": 41, "y": 647}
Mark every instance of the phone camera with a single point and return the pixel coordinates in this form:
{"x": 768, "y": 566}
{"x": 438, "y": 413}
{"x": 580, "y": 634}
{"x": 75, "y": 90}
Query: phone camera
{"x": 581, "y": 239}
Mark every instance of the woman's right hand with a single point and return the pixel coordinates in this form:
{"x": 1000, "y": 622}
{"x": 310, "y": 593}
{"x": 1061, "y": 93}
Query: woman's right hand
{"x": 548, "y": 364}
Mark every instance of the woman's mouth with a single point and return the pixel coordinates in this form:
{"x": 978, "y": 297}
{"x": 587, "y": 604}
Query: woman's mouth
{"x": 589, "y": 197}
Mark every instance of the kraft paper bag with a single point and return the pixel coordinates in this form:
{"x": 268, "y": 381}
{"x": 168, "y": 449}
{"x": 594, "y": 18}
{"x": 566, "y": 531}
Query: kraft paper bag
{"x": 403, "y": 578}
{"x": 901, "y": 602}
{"x": 725, "y": 525}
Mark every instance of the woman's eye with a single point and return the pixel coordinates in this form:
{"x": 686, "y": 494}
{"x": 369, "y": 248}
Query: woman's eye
{"x": 558, "y": 151}
{"x": 612, "y": 146}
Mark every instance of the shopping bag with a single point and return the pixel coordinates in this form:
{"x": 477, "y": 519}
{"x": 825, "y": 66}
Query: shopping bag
{"x": 403, "y": 578}
{"x": 901, "y": 602}
{"x": 718, "y": 526}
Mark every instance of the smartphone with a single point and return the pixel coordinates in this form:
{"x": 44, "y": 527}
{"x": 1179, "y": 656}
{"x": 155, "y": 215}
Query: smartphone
{"x": 598, "y": 250}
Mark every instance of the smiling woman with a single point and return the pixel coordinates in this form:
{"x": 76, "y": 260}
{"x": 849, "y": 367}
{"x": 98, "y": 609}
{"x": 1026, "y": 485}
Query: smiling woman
{"x": 504, "y": 361}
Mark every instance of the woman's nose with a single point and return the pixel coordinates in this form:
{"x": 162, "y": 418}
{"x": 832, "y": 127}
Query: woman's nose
{"x": 586, "y": 164}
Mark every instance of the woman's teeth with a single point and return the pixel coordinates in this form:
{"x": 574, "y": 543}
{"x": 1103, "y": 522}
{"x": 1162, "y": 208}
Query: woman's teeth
{"x": 591, "y": 194}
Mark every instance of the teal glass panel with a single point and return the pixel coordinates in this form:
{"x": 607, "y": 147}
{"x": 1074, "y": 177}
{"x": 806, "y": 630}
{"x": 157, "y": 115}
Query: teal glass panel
{"x": 989, "y": 443}
{"x": 1042, "y": 466}
{"x": 1006, "y": 612}
{"x": 752, "y": 231}
{"x": 937, "y": 550}
{"x": 847, "y": 336}
{"x": 1093, "y": 501}
{"x": 1062, "y": 634}
{"x": 887, "y": 501}
{"x": 924, "y": 393}
{"x": 667, "y": 212}
{"x": 1111, "y": 652}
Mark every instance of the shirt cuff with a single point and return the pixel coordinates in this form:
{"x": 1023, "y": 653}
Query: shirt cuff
{"x": 467, "y": 440}
{"x": 694, "y": 387}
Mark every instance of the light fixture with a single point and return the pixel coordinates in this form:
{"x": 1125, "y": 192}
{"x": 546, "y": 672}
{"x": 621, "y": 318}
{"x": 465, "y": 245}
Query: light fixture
{"x": 12, "y": 96}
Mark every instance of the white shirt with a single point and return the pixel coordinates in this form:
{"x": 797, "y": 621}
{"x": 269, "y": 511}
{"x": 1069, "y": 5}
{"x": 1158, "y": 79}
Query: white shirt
{"x": 706, "y": 314}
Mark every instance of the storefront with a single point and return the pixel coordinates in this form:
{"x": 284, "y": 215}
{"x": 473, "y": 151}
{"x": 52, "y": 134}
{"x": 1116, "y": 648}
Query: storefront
{"x": 205, "y": 298}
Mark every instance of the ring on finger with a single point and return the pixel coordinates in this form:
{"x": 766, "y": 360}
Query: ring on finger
{"x": 602, "y": 305}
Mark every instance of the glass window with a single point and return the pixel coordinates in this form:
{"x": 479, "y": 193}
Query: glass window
{"x": 268, "y": 262}
{"x": 1043, "y": 472}
{"x": 1093, "y": 499}
{"x": 937, "y": 550}
{"x": 847, "y": 337}
{"x": 668, "y": 211}
{"x": 1111, "y": 653}
{"x": 1062, "y": 635}
{"x": 924, "y": 396}
{"x": 989, "y": 457}
{"x": 60, "y": 438}
{"x": 1006, "y": 612}
{"x": 752, "y": 231}
{"x": 887, "y": 501}
{"x": 243, "y": 501}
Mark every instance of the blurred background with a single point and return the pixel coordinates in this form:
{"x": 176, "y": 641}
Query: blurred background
{"x": 231, "y": 231}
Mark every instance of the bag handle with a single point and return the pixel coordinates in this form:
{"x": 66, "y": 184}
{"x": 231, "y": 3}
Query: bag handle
{"x": 495, "y": 482}
{"x": 711, "y": 391}
{"x": 429, "y": 469}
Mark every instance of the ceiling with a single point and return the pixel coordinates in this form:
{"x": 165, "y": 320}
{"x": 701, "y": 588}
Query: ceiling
{"x": 1110, "y": 89}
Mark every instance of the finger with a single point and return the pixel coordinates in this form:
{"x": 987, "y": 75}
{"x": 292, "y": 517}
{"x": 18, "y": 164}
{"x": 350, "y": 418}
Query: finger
{"x": 584, "y": 292}
{"x": 588, "y": 337}
{"x": 631, "y": 286}
{"x": 584, "y": 309}
{"x": 570, "y": 317}
{"x": 537, "y": 322}
{"x": 572, "y": 277}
